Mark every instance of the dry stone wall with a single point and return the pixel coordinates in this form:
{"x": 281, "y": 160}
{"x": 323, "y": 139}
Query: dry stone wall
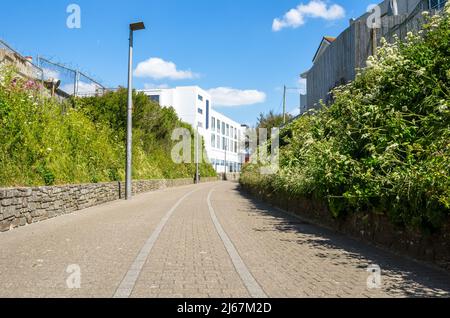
{"x": 22, "y": 206}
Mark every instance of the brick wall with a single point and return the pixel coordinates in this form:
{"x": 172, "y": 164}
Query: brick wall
{"x": 22, "y": 206}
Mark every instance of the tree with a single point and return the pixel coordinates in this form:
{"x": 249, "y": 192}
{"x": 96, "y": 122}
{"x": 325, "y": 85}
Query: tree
{"x": 271, "y": 120}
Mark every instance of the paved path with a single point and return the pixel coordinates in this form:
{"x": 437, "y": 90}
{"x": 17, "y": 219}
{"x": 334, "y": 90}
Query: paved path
{"x": 208, "y": 240}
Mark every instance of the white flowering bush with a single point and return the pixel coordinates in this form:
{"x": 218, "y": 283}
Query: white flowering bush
{"x": 384, "y": 143}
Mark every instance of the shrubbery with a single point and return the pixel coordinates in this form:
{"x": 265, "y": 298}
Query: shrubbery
{"x": 44, "y": 142}
{"x": 384, "y": 143}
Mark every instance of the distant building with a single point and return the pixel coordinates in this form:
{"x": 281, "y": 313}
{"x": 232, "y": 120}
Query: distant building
{"x": 221, "y": 134}
{"x": 337, "y": 59}
{"x": 23, "y": 65}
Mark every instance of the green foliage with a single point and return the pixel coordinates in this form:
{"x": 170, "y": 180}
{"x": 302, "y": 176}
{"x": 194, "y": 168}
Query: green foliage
{"x": 384, "y": 144}
{"x": 271, "y": 120}
{"x": 45, "y": 142}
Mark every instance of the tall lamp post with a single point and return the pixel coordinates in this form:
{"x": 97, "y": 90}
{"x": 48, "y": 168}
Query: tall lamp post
{"x": 128, "y": 191}
{"x": 197, "y": 168}
{"x": 226, "y": 162}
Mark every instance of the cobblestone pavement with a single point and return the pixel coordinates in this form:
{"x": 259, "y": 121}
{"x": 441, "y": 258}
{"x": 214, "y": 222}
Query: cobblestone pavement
{"x": 208, "y": 240}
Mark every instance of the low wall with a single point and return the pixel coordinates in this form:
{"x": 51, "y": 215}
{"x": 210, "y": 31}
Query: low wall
{"x": 369, "y": 227}
{"x": 233, "y": 176}
{"x": 22, "y": 206}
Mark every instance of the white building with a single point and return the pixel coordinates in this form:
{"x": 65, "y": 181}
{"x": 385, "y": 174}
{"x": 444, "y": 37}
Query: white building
{"x": 221, "y": 134}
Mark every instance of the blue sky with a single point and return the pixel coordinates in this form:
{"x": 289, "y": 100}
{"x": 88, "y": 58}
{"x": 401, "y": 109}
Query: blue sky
{"x": 214, "y": 44}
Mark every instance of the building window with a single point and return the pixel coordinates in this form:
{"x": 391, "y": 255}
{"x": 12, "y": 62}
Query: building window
{"x": 223, "y": 128}
{"x": 154, "y": 98}
{"x": 224, "y": 143}
{"x": 207, "y": 114}
{"x": 437, "y": 4}
{"x": 218, "y": 126}
{"x": 228, "y": 130}
{"x": 235, "y": 147}
{"x": 200, "y": 98}
{"x": 200, "y": 111}
{"x": 218, "y": 142}
{"x": 213, "y": 140}
{"x": 213, "y": 123}
{"x": 200, "y": 124}
{"x": 235, "y": 133}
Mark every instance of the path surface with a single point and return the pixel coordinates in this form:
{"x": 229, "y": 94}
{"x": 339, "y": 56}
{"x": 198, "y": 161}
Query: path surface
{"x": 208, "y": 240}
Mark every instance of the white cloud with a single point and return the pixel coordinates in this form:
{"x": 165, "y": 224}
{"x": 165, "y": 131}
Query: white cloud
{"x": 226, "y": 96}
{"x": 87, "y": 88}
{"x": 296, "y": 17}
{"x": 155, "y": 86}
{"x": 48, "y": 73}
{"x": 295, "y": 112}
{"x": 83, "y": 88}
{"x": 302, "y": 85}
{"x": 157, "y": 68}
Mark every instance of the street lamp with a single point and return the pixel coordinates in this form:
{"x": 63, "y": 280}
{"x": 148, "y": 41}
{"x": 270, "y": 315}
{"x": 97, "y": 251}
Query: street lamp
{"x": 128, "y": 190}
{"x": 226, "y": 162}
{"x": 197, "y": 168}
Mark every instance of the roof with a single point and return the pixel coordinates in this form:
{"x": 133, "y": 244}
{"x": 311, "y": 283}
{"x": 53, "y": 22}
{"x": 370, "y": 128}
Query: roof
{"x": 326, "y": 41}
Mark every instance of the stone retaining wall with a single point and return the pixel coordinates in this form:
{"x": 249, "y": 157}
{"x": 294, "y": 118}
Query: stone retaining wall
{"x": 22, "y": 206}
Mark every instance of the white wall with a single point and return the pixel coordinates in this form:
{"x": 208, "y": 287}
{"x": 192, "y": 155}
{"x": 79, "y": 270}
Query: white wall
{"x": 186, "y": 102}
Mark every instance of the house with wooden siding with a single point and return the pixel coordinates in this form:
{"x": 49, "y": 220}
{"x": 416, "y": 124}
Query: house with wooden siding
{"x": 337, "y": 59}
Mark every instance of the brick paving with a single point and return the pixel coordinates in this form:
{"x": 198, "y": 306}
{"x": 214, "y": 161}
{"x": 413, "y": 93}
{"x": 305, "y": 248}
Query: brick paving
{"x": 286, "y": 257}
{"x": 291, "y": 258}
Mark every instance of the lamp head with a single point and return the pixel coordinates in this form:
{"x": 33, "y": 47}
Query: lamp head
{"x": 137, "y": 26}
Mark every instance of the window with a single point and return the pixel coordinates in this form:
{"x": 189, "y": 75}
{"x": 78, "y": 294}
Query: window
{"x": 207, "y": 114}
{"x": 223, "y": 128}
{"x": 228, "y": 130}
{"x": 235, "y": 133}
{"x": 213, "y": 123}
{"x": 200, "y": 124}
{"x": 235, "y": 147}
{"x": 154, "y": 98}
{"x": 218, "y": 142}
{"x": 437, "y": 4}
{"x": 224, "y": 143}
{"x": 213, "y": 140}
{"x": 200, "y": 111}
{"x": 200, "y": 98}
{"x": 218, "y": 126}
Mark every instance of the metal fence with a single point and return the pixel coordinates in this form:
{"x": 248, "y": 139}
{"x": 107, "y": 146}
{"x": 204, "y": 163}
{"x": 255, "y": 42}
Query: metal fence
{"x": 73, "y": 82}
{"x": 24, "y": 66}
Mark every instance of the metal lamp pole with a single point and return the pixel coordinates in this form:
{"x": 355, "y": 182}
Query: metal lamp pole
{"x": 226, "y": 162}
{"x": 197, "y": 169}
{"x": 128, "y": 189}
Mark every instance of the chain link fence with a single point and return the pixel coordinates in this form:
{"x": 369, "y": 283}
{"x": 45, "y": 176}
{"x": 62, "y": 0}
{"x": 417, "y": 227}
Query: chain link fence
{"x": 72, "y": 81}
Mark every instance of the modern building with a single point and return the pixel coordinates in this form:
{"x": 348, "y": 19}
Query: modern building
{"x": 222, "y": 135}
{"x": 337, "y": 59}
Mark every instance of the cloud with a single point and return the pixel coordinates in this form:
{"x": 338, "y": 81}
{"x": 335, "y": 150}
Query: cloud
{"x": 48, "y": 73}
{"x": 157, "y": 68}
{"x": 296, "y": 17}
{"x": 295, "y": 112}
{"x": 302, "y": 85}
{"x": 155, "y": 86}
{"x": 83, "y": 88}
{"x": 226, "y": 96}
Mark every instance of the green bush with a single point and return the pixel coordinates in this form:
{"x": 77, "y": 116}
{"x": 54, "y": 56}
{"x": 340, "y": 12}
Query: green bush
{"x": 384, "y": 143}
{"x": 45, "y": 142}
